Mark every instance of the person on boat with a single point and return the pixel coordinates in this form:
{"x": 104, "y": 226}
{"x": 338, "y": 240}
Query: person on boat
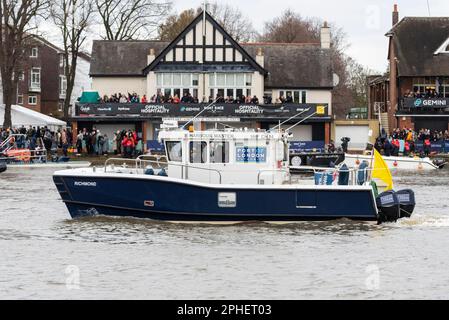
{"x": 427, "y": 147}
{"x": 387, "y": 148}
{"x": 406, "y": 148}
{"x": 64, "y": 142}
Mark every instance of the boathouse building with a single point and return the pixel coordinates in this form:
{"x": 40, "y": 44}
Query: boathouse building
{"x": 415, "y": 92}
{"x": 206, "y": 62}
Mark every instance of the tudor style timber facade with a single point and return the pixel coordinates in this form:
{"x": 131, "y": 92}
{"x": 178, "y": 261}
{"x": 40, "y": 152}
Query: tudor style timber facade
{"x": 205, "y": 61}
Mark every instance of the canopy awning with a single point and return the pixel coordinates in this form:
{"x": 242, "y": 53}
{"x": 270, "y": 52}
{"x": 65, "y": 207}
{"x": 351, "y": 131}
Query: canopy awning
{"x": 22, "y": 116}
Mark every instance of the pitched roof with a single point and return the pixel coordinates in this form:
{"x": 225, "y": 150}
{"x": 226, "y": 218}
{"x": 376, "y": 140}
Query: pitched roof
{"x": 122, "y": 58}
{"x": 288, "y": 65}
{"x": 416, "y": 39}
{"x": 295, "y": 65}
{"x": 220, "y": 29}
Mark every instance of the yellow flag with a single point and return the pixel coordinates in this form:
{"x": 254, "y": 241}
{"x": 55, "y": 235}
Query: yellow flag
{"x": 381, "y": 170}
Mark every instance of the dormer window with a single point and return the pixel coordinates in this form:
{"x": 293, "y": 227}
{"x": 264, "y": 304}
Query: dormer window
{"x": 443, "y": 49}
{"x": 34, "y": 52}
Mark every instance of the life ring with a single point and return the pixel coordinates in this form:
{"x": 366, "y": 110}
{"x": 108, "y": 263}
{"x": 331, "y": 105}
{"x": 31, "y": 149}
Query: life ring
{"x": 395, "y": 163}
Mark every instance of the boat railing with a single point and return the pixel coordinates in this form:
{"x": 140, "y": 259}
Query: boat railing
{"x": 140, "y": 164}
{"x": 354, "y": 173}
{"x": 274, "y": 171}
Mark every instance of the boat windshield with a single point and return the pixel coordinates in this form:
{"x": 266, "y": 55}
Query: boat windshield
{"x": 174, "y": 151}
{"x": 219, "y": 152}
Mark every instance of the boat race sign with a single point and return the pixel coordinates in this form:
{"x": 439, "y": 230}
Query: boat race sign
{"x": 129, "y": 110}
{"x": 423, "y": 103}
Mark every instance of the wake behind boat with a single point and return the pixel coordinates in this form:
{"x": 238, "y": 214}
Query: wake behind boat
{"x": 226, "y": 176}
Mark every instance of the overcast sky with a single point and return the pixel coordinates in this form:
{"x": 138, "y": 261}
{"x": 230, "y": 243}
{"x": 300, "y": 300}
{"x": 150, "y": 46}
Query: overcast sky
{"x": 364, "y": 21}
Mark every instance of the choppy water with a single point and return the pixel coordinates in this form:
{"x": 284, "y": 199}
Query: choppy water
{"x": 44, "y": 254}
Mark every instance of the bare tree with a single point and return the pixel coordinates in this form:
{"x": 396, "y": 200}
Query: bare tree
{"x": 291, "y": 27}
{"x": 131, "y": 19}
{"x": 175, "y": 24}
{"x": 233, "y": 21}
{"x": 16, "y": 21}
{"x": 73, "y": 19}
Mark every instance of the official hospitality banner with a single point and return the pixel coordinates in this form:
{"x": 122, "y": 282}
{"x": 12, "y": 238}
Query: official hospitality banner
{"x": 426, "y": 103}
{"x": 190, "y": 110}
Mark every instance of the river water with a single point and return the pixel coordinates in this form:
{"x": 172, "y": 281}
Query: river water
{"x": 46, "y": 255}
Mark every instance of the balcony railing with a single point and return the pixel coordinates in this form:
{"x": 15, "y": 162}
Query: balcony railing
{"x": 424, "y": 105}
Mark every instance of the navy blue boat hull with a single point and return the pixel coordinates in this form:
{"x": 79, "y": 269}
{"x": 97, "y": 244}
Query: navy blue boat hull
{"x": 172, "y": 201}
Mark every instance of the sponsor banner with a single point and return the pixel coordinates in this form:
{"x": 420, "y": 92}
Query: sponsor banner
{"x": 437, "y": 146}
{"x": 306, "y": 146}
{"x": 191, "y": 110}
{"x": 426, "y": 103}
{"x": 295, "y": 146}
{"x": 155, "y": 146}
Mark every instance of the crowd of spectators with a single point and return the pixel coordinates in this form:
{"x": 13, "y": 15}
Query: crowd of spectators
{"x": 406, "y": 140}
{"x": 88, "y": 142}
{"x": 35, "y": 138}
{"x": 125, "y": 142}
{"x": 428, "y": 94}
{"x": 186, "y": 98}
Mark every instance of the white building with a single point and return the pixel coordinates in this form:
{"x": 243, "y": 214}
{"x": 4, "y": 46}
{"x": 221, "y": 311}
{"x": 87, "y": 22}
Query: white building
{"x": 206, "y": 62}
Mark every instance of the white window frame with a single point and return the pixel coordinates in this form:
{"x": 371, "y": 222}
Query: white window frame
{"x": 20, "y": 99}
{"x": 33, "y": 84}
{"x": 29, "y": 100}
{"x": 302, "y": 94}
{"x": 21, "y": 76}
{"x": 246, "y": 87}
{"x": 62, "y": 86}
{"x": 34, "y": 52}
{"x": 161, "y": 79}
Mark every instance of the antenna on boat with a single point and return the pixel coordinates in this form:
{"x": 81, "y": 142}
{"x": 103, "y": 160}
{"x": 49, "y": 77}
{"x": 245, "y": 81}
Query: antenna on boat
{"x": 291, "y": 118}
{"x": 302, "y": 120}
{"x": 199, "y": 113}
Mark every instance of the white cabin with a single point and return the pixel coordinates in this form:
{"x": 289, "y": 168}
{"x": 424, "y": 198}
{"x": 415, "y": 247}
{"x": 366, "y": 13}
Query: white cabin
{"x": 230, "y": 156}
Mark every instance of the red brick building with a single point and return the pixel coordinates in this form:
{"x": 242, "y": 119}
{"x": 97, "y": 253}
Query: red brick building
{"x": 415, "y": 93}
{"x": 42, "y": 83}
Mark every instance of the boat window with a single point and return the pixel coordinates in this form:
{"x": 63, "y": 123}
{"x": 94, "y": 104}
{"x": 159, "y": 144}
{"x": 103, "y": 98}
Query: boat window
{"x": 174, "y": 150}
{"x": 198, "y": 152}
{"x": 219, "y": 152}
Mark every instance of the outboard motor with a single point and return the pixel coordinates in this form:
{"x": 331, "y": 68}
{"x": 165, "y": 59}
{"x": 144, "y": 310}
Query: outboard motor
{"x": 2, "y": 166}
{"x": 389, "y": 206}
{"x": 440, "y": 163}
{"x": 406, "y": 202}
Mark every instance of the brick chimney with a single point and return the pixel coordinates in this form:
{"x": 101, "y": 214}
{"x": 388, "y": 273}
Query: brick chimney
{"x": 260, "y": 57}
{"x": 151, "y": 56}
{"x": 395, "y": 14}
{"x": 325, "y": 36}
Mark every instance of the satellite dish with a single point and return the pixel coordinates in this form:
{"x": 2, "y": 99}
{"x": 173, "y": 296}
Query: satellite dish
{"x": 336, "y": 79}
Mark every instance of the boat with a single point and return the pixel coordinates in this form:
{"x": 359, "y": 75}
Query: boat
{"x": 14, "y": 154}
{"x": 225, "y": 176}
{"x": 399, "y": 163}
